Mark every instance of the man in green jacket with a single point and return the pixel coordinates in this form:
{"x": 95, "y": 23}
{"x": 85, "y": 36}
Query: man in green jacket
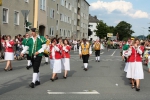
{"x": 24, "y": 42}
{"x": 36, "y": 46}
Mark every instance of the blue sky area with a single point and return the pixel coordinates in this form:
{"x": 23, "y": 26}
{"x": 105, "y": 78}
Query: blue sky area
{"x": 135, "y": 12}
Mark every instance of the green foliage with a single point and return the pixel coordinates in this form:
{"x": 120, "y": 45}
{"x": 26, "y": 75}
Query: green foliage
{"x": 102, "y": 29}
{"x": 123, "y": 29}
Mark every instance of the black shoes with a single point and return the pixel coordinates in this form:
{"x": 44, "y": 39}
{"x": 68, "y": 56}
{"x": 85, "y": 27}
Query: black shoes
{"x": 28, "y": 67}
{"x": 10, "y": 69}
{"x": 5, "y": 70}
{"x": 37, "y": 83}
{"x": 65, "y": 77}
{"x": 46, "y": 63}
{"x": 31, "y": 85}
{"x": 85, "y": 69}
{"x": 99, "y": 61}
{"x": 137, "y": 89}
{"x": 52, "y": 80}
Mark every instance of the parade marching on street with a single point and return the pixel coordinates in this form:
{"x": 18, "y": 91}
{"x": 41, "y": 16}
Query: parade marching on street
{"x": 107, "y": 78}
{"x": 74, "y": 50}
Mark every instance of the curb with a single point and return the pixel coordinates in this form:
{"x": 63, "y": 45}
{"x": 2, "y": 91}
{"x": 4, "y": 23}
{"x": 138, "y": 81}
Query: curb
{"x": 2, "y": 61}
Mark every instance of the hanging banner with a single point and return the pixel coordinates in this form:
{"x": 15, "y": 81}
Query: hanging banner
{"x": 0, "y": 2}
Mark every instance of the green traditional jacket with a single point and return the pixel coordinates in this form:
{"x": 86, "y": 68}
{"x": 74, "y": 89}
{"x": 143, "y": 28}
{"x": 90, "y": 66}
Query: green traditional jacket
{"x": 35, "y": 46}
{"x": 24, "y": 42}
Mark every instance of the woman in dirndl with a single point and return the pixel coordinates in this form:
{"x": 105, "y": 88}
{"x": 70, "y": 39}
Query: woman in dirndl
{"x": 135, "y": 68}
{"x": 55, "y": 59}
{"x": 9, "y": 53}
{"x": 66, "y": 57}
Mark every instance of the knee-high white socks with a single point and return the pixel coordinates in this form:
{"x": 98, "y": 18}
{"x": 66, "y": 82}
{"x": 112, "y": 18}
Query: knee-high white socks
{"x": 38, "y": 76}
{"x": 97, "y": 58}
{"x": 46, "y": 59}
{"x": 29, "y": 63}
{"x": 85, "y": 65}
{"x": 35, "y": 77}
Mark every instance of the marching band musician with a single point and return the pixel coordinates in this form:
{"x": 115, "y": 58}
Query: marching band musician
{"x": 135, "y": 68}
{"x": 84, "y": 52}
{"x": 66, "y": 57}
{"x": 55, "y": 59}
{"x": 46, "y": 53}
{"x": 29, "y": 65}
{"x": 9, "y": 53}
{"x": 36, "y": 45}
{"x": 97, "y": 47}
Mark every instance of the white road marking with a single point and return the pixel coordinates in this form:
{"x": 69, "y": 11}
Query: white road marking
{"x": 113, "y": 52}
{"x": 85, "y": 92}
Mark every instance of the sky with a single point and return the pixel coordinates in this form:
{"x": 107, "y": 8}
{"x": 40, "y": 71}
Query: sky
{"x": 135, "y": 12}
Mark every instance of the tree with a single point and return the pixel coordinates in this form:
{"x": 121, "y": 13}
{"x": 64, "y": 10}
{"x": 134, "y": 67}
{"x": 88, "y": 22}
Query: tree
{"x": 124, "y": 30}
{"x": 101, "y": 29}
{"x": 89, "y": 32}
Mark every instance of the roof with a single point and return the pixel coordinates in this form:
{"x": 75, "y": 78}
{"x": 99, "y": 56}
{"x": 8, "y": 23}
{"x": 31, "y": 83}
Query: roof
{"x": 93, "y": 19}
{"x": 87, "y": 2}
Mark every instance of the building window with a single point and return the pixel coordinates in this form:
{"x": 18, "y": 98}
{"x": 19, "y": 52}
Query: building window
{"x": 62, "y": 2}
{"x": 57, "y": 24}
{"x": 57, "y": 7}
{"x": 65, "y": 3}
{"x": 5, "y": 15}
{"x": 52, "y": 13}
{"x": 43, "y": 4}
{"x": 64, "y": 33}
{"x": 51, "y": 31}
{"x": 16, "y": 18}
{"x": 62, "y": 17}
{"x": 60, "y": 33}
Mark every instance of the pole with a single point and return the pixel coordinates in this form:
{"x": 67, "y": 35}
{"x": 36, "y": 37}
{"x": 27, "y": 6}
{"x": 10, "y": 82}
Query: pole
{"x": 0, "y": 39}
{"x": 36, "y": 13}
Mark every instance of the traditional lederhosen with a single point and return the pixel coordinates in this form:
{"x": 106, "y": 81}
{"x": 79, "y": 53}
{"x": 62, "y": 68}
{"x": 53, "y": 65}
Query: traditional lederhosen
{"x": 34, "y": 46}
{"x": 24, "y": 42}
{"x": 97, "y": 47}
{"x": 85, "y": 50}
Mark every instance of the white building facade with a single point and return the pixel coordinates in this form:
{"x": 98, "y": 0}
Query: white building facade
{"x": 92, "y": 25}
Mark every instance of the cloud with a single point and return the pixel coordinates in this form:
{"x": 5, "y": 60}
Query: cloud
{"x": 122, "y": 6}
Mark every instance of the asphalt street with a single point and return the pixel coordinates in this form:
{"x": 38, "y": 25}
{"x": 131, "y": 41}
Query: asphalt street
{"x": 104, "y": 80}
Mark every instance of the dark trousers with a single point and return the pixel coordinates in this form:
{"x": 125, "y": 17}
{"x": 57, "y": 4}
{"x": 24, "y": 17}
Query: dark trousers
{"x": 36, "y": 61}
{"x": 28, "y": 57}
{"x": 85, "y": 58}
{"x": 97, "y": 53}
{"x": 46, "y": 55}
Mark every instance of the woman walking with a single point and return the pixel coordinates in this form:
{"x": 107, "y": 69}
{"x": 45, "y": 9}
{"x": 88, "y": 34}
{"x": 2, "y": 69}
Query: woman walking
{"x": 135, "y": 68}
{"x": 9, "y": 53}
{"x": 66, "y": 57}
{"x": 55, "y": 59}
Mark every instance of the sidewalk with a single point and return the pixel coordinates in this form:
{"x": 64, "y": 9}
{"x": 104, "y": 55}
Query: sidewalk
{"x": 2, "y": 60}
